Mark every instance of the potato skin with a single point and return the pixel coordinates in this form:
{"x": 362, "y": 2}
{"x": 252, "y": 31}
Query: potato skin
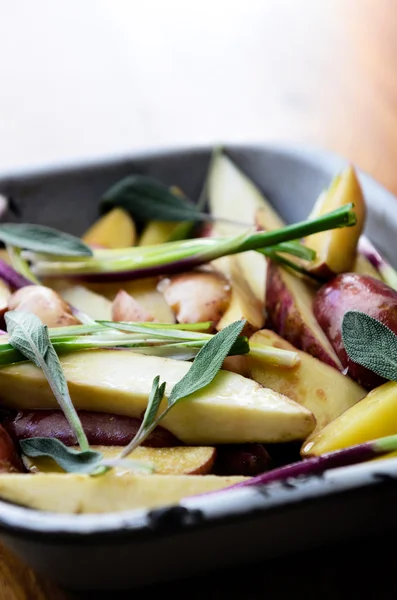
{"x": 45, "y": 303}
{"x": 285, "y": 318}
{"x": 126, "y": 308}
{"x": 200, "y": 295}
{"x": 352, "y": 291}
{"x": 102, "y": 429}
{"x": 10, "y": 461}
{"x": 241, "y": 459}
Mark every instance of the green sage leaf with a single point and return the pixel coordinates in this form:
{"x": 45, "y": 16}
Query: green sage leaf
{"x": 40, "y": 238}
{"x": 28, "y": 335}
{"x": 155, "y": 398}
{"x": 207, "y": 363}
{"x": 69, "y": 459}
{"x": 370, "y": 343}
{"x": 147, "y": 199}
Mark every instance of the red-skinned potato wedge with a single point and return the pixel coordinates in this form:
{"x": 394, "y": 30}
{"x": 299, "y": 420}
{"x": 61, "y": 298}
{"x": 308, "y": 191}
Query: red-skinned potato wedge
{"x": 312, "y": 383}
{"x": 126, "y": 308}
{"x": 242, "y": 459}
{"x": 144, "y": 291}
{"x": 336, "y": 249}
{"x": 44, "y": 303}
{"x": 115, "y": 229}
{"x": 10, "y": 461}
{"x": 197, "y": 296}
{"x": 289, "y": 306}
{"x": 178, "y": 460}
{"x": 102, "y": 429}
{"x": 351, "y": 291}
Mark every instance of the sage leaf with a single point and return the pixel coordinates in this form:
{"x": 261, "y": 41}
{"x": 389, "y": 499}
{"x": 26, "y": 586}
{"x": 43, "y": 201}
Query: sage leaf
{"x": 28, "y": 335}
{"x": 39, "y": 238}
{"x": 155, "y": 398}
{"x": 69, "y": 459}
{"x": 202, "y": 371}
{"x": 370, "y": 343}
{"x": 147, "y": 199}
{"x": 207, "y": 363}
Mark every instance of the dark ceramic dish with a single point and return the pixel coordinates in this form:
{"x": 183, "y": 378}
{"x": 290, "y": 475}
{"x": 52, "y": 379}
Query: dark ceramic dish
{"x": 121, "y": 550}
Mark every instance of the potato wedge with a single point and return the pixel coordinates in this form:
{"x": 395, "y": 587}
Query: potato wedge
{"x": 337, "y": 248}
{"x": 289, "y": 305}
{"x": 126, "y": 308}
{"x": 362, "y": 266}
{"x": 312, "y": 383}
{"x": 232, "y": 409}
{"x": 373, "y": 417}
{"x": 244, "y": 304}
{"x": 115, "y": 229}
{"x": 179, "y": 460}
{"x": 145, "y": 293}
{"x": 197, "y": 296}
{"x": 82, "y": 494}
{"x": 233, "y": 197}
{"x": 92, "y": 304}
{"x": 157, "y": 232}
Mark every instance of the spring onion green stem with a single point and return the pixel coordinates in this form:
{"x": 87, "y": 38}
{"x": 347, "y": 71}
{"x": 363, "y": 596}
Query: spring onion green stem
{"x": 183, "y": 255}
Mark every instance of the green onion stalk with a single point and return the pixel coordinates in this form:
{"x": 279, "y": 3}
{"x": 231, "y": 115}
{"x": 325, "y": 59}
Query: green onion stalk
{"x": 173, "y": 257}
{"x": 172, "y": 341}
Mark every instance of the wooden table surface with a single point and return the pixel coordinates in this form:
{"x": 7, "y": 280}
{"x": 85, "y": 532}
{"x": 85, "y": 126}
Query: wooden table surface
{"x": 87, "y": 79}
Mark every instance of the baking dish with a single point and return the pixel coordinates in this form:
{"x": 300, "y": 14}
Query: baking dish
{"x": 134, "y": 548}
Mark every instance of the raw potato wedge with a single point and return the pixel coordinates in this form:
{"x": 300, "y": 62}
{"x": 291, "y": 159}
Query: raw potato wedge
{"x": 373, "y": 417}
{"x": 179, "y": 460}
{"x": 92, "y": 304}
{"x": 144, "y": 291}
{"x": 157, "y": 232}
{"x": 337, "y": 248}
{"x": 362, "y": 266}
{"x": 289, "y": 305}
{"x": 243, "y": 303}
{"x": 126, "y": 308}
{"x": 234, "y": 197}
{"x": 311, "y": 383}
{"x": 232, "y": 409}
{"x": 82, "y": 494}
{"x": 116, "y": 229}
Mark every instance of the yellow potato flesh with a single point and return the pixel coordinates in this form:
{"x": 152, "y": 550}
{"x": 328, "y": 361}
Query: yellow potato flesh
{"x": 232, "y": 409}
{"x": 372, "y": 417}
{"x": 116, "y": 229}
{"x": 336, "y": 249}
{"x": 81, "y": 494}
{"x": 94, "y": 305}
{"x": 243, "y": 303}
{"x": 312, "y": 383}
{"x": 234, "y": 197}
{"x": 178, "y": 460}
{"x": 144, "y": 291}
{"x": 157, "y": 232}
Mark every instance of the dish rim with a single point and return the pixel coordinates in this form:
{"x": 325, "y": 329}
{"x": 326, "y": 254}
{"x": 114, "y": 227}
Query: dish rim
{"x": 225, "y": 505}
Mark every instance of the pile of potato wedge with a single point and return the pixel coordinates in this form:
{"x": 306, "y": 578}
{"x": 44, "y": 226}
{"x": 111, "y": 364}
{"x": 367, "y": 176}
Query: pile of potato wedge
{"x": 254, "y": 416}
